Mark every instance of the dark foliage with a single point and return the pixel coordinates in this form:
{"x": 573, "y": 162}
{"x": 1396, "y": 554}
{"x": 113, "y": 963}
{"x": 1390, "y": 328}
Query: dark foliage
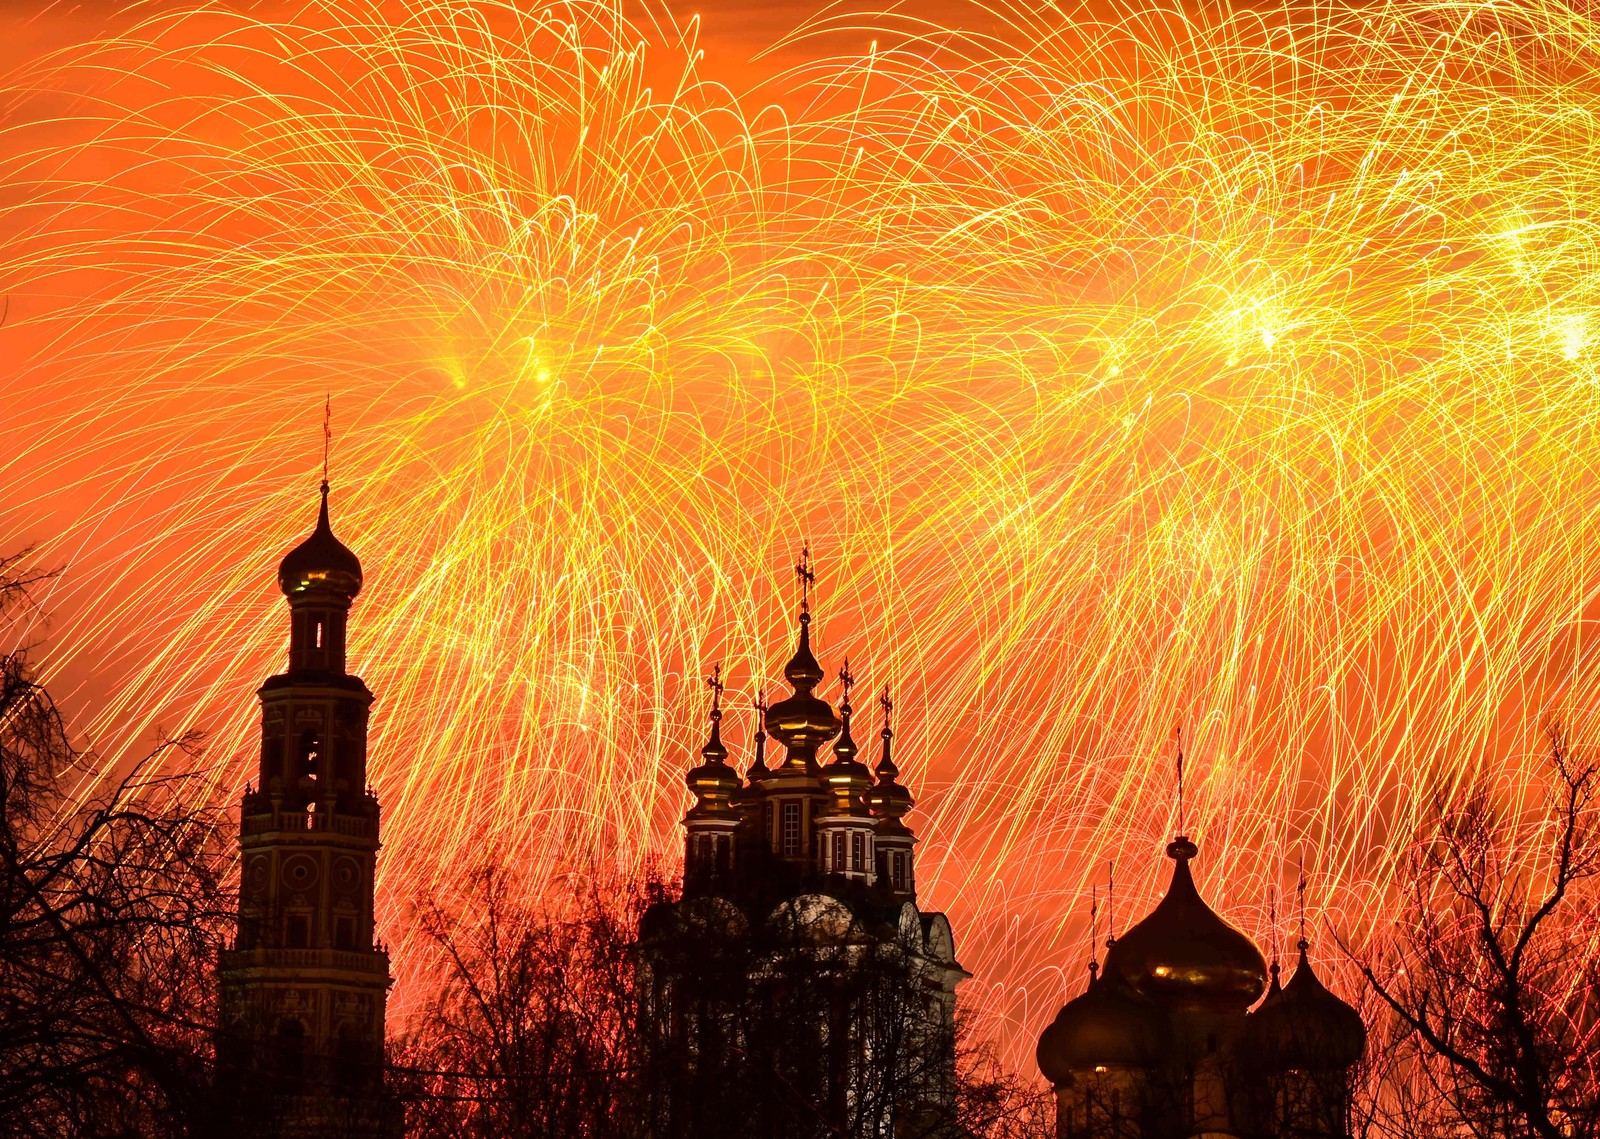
{"x": 107, "y": 916}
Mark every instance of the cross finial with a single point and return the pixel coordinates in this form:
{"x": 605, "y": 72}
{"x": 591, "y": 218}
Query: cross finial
{"x": 1300, "y": 890}
{"x": 1111, "y": 903}
{"x": 805, "y": 575}
{"x": 1094, "y": 932}
{"x": 1272, "y": 921}
{"x": 714, "y": 682}
{"x": 1180, "y": 781}
{"x": 327, "y": 434}
{"x": 760, "y": 702}
{"x": 887, "y": 705}
{"x": 848, "y": 679}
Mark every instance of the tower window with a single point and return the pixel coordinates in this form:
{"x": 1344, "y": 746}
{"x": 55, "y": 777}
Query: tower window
{"x": 899, "y": 870}
{"x": 858, "y": 851}
{"x": 838, "y": 852}
{"x": 791, "y": 830}
{"x": 319, "y": 634}
{"x": 297, "y": 931}
{"x": 344, "y": 932}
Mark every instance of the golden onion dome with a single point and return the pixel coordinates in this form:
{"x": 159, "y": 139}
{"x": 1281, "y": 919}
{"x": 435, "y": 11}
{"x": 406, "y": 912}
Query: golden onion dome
{"x": 713, "y": 782}
{"x": 888, "y": 799}
{"x": 847, "y": 777}
{"x": 1183, "y": 953}
{"x": 321, "y": 563}
{"x": 802, "y": 723}
{"x": 1304, "y": 1026}
{"x": 1108, "y": 1026}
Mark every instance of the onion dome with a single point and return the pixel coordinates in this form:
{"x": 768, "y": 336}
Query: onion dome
{"x": 888, "y": 800}
{"x": 1109, "y": 1026}
{"x": 847, "y": 777}
{"x": 1306, "y": 1026}
{"x": 713, "y": 783}
{"x": 1183, "y": 953}
{"x": 802, "y": 723}
{"x": 321, "y": 563}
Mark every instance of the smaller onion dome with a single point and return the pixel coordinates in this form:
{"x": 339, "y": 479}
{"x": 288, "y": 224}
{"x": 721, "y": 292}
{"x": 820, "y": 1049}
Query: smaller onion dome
{"x": 713, "y": 782}
{"x": 1109, "y": 1026}
{"x": 846, "y": 776}
{"x": 1305, "y": 1026}
{"x": 887, "y": 798}
{"x": 321, "y": 563}
{"x": 1184, "y": 953}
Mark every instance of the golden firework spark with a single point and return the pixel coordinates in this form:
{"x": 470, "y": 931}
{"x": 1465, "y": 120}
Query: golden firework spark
{"x": 1224, "y": 368}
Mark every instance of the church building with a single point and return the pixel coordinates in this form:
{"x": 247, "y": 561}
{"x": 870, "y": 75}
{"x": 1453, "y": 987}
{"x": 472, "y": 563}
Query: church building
{"x": 797, "y": 988}
{"x": 1163, "y": 1043}
{"x": 303, "y": 988}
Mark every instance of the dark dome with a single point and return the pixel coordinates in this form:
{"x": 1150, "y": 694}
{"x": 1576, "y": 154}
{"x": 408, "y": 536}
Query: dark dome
{"x": 1109, "y": 1025}
{"x": 1184, "y": 953}
{"x": 321, "y": 563}
{"x": 1306, "y": 1026}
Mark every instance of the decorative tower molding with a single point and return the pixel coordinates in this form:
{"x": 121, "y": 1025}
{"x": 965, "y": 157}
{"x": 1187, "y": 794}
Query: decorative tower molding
{"x": 304, "y": 987}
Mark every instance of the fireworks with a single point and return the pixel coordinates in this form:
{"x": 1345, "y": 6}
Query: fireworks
{"x": 1235, "y": 370}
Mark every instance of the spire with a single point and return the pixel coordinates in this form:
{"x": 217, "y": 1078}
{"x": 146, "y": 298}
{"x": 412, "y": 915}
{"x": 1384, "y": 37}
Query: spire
{"x": 844, "y": 748}
{"x": 1094, "y": 933}
{"x": 1274, "y": 969}
{"x": 803, "y": 671}
{"x": 758, "y": 765}
{"x": 713, "y": 782}
{"x": 714, "y": 751}
{"x": 1179, "y": 832}
{"x": 1181, "y": 849}
{"x": 1111, "y": 905}
{"x": 887, "y": 799}
{"x": 887, "y": 771}
{"x": 1300, "y": 900}
{"x": 802, "y": 722}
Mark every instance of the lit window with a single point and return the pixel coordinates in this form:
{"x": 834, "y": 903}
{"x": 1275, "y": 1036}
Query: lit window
{"x": 791, "y": 830}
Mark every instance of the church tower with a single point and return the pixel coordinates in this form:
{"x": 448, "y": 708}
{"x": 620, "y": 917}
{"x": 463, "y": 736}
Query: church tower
{"x": 798, "y": 989}
{"x": 303, "y": 989}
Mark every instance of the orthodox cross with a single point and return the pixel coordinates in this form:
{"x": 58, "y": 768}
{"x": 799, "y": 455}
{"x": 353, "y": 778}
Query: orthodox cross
{"x": 1180, "y": 781}
{"x": 806, "y": 575}
{"x": 887, "y": 705}
{"x": 714, "y": 682}
{"x": 846, "y": 678}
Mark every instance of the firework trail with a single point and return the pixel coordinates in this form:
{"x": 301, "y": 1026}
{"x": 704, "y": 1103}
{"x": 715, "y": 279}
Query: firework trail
{"x": 1128, "y": 369}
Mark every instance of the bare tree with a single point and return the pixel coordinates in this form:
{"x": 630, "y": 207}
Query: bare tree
{"x": 565, "y": 1018}
{"x": 1493, "y": 989}
{"x": 107, "y": 912}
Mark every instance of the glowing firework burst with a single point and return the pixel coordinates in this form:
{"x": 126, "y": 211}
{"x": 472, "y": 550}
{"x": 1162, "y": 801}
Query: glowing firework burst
{"x": 1230, "y": 369}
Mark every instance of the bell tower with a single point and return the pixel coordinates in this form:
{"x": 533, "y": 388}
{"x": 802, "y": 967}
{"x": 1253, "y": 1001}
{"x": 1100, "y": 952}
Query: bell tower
{"x": 303, "y": 989}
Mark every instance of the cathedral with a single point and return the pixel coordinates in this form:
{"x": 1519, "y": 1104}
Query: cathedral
{"x": 796, "y": 988}
{"x": 1163, "y": 1043}
{"x": 303, "y": 988}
